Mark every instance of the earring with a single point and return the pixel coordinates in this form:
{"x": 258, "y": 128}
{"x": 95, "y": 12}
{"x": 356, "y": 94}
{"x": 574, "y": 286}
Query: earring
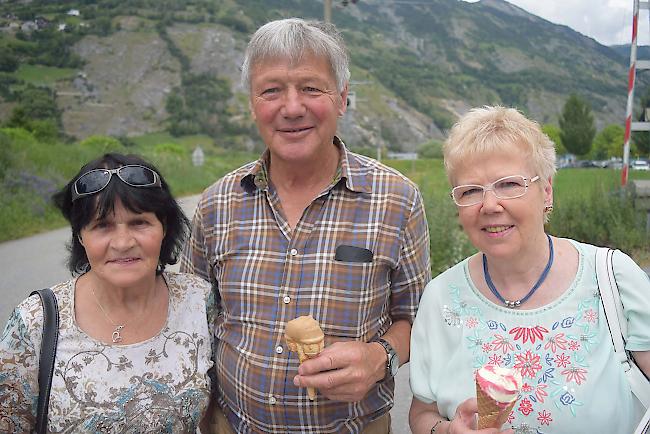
{"x": 548, "y": 209}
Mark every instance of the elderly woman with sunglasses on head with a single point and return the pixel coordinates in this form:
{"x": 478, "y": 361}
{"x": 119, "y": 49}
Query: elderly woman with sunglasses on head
{"x": 526, "y": 301}
{"x": 134, "y": 345}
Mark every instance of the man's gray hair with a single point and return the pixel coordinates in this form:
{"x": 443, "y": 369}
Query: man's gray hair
{"x": 291, "y": 39}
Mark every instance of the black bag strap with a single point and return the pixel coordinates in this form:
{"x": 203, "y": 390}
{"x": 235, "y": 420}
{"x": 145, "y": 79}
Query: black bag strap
{"x": 48, "y": 352}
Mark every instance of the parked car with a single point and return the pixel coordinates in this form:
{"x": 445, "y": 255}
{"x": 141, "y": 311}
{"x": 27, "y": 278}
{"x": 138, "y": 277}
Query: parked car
{"x": 586, "y": 164}
{"x": 614, "y": 163}
{"x": 640, "y": 165}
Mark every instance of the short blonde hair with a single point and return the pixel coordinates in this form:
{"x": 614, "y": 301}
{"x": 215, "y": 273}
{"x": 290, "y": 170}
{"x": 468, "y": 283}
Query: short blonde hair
{"x": 489, "y": 129}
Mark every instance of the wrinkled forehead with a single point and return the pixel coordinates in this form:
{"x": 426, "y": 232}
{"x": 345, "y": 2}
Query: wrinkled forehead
{"x": 306, "y": 59}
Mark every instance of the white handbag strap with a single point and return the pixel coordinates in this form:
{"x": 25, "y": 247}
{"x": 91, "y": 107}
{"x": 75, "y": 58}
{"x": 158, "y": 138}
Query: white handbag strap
{"x": 611, "y": 302}
{"x": 617, "y": 324}
{"x": 644, "y": 425}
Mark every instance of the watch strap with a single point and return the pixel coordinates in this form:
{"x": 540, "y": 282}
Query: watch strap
{"x": 390, "y": 353}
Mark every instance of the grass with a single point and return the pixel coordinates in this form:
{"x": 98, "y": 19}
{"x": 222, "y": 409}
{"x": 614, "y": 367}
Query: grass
{"x": 189, "y": 142}
{"x": 40, "y": 75}
{"x": 588, "y": 205}
{"x": 188, "y": 41}
{"x": 34, "y": 171}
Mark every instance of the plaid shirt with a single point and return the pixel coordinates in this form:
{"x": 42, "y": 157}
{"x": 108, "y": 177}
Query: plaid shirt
{"x": 266, "y": 274}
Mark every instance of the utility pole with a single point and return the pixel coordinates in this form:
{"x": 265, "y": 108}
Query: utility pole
{"x": 379, "y": 143}
{"x": 327, "y": 11}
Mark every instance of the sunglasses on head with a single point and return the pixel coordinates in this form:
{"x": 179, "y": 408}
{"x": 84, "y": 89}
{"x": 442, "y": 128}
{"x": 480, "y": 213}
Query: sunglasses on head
{"x": 96, "y": 180}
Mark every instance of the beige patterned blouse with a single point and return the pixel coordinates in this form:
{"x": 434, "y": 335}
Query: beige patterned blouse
{"x": 159, "y": 385}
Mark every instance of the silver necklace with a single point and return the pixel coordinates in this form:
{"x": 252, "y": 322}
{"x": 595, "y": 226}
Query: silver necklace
{"x": 116, "y": 337}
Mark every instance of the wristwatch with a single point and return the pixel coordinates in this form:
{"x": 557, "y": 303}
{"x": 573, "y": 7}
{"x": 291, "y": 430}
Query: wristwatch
{"x": 392, "y": 364}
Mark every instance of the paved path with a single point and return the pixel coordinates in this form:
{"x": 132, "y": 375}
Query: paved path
{"x": 39, "y": 261}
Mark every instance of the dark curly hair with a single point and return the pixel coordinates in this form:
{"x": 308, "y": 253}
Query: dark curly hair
{"x": 139, "y": 200}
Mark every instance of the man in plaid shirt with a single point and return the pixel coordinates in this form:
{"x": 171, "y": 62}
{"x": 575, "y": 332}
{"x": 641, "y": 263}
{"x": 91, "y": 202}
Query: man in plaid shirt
{"x": 308, "y": 229}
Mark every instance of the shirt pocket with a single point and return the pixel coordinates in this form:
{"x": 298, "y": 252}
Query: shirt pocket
{"x": 357, "y": 296}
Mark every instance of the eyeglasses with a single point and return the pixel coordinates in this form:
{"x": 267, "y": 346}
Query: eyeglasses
{"x": 96, "y": 180}
{"x": 509, "y": 187}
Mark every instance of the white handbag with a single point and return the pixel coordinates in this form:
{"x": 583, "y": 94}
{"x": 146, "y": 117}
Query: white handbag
{"x": 617, "y": 324}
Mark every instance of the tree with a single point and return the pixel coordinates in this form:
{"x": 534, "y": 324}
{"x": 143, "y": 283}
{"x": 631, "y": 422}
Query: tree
{"x": 37, "y": 112}
{"x": 642, "y": 138}
{"x": 608, "y": 143}
{"x": 553, "y": 133}
{"x": 577, "y": 126}
{"x": 430, "y": 149}
{"x": 8, "y": 60}
{"x": 198, "y": 105}
{"x": 39, "y": 103}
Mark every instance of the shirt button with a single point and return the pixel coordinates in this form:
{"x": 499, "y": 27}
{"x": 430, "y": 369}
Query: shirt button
{"x": 279, "y": 349}
{"x": 286, "y": 299}
{"x": 272, "y": 400}
{"x": 293, "y": 252}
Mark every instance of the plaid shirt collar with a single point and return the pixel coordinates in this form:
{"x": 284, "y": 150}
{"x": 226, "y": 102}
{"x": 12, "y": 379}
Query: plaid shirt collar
{"x": 348, "y": 169}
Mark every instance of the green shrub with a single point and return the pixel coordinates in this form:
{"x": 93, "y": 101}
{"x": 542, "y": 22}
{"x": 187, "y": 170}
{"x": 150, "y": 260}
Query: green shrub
{"x": 6, "y": 155}
{"x": 102, "y": 144}
{"x": 45, "y": 130}
{"x": 449, "y": 244}
{"x": 238, "y": 22}
{"x": 430, "y": 149}
{"x": 25, "y": 214}
{"x": 170, "y": 148}
{"x": 603, "y": 216}
{"x": 8, "y": 60}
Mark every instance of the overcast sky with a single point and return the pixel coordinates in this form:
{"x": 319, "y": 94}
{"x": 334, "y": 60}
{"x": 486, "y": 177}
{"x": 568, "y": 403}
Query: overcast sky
{"x": 607, "y": 21}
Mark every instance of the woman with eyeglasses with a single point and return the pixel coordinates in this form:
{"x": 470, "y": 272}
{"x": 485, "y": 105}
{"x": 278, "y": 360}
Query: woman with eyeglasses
{"x": 134, "y": 345}
{"x": 526, "y": 301}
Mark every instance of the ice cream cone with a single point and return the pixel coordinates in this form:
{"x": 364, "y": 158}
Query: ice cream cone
{"x": 497, "y": 392}
{"x": 305, "y": 337}
{"x": 490, "y": 413}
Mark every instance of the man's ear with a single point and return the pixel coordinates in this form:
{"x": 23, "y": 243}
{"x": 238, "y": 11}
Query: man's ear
{"x": 250, "y": 108}
{"x": 343, "y": 106}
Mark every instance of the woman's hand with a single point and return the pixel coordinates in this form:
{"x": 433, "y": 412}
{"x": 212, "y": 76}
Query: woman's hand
{"x": 464, "y": 422}
{"x": 423, "y": 417}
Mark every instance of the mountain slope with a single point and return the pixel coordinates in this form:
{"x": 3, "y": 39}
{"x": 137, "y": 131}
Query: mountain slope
{"x": 415, "y": 65}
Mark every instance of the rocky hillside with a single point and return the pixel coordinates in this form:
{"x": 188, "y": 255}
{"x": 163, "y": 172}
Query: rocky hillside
{"x": 415, "y": 65}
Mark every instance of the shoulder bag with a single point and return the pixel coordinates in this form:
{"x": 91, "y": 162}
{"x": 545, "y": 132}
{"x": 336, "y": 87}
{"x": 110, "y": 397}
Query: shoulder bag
{"x": 48, "y": 353}
{"x": 617, "y": 324}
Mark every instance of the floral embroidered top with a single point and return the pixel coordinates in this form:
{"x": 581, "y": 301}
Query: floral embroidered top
{"x": 160, "y": 385}
{"x": 571, "y": 381}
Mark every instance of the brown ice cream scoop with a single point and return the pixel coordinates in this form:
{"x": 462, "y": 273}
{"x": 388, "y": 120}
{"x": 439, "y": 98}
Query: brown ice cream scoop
{"x": 305, "y": 337}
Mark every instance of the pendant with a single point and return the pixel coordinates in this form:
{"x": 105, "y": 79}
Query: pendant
{"x": 512, "y": 304}
{"x": 117, "y": 337}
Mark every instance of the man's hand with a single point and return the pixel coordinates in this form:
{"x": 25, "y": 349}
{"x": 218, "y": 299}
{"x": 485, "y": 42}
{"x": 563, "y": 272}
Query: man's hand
{"x": 344, "y": 371}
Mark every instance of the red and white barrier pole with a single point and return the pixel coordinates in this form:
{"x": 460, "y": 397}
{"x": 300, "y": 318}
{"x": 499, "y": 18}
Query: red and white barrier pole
{"x": 630, "y": 95}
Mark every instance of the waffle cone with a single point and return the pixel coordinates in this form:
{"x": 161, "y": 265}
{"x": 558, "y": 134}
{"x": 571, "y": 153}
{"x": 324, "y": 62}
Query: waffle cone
{"x": 305, "y": 337}
{"x": 490, "y": 413}
{"x": 311, "y": 392}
